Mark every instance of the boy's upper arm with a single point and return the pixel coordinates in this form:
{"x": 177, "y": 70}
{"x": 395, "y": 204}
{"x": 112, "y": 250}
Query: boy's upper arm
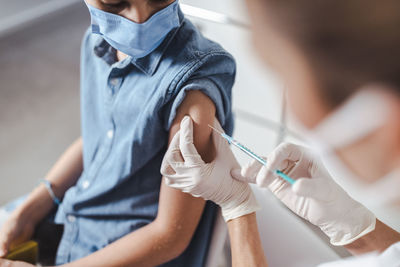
{"x": 178, "y": 210}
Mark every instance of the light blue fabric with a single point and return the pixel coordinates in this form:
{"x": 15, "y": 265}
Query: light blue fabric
{"x": 127, "y": 110}
{"x": 135, "y": 39}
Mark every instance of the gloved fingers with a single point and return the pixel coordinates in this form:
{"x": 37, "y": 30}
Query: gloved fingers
{"x": 237, "y": 174}
{"x": 171, "y": 161}
{"x": 186, "y": 145}
{"x": 180, "y": 168}
{"x": 166, "y": 169}
{"x": 174, "y": 144}
{"x": 177, "y": 184}
{"x": 176, "y": 156}
{"x": 278, "y": 186}
{"x": 265, "y": 177}
{"x": 252, "y": 168}
{"x": 284, "y": 156}
{"x": 224, "y": 153}
{"x": 222, "y": 145}
{"x": 180, "y": 180}
{"x": 315, "y": 188}
{"x": 173, "y": 154}
{"x": 248, "y": 173}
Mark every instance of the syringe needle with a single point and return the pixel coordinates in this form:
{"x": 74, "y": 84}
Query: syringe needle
{"x": 255, "y": 156}
{"x": 215, "y": 130}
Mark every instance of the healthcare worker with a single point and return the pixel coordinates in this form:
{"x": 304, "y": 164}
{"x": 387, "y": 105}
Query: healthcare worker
{"x": 339, "y": 60}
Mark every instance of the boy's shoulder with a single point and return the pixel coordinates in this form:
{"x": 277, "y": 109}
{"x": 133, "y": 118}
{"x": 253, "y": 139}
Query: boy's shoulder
{"x": 190, "y": 43}
{"x": 191, "y": 55}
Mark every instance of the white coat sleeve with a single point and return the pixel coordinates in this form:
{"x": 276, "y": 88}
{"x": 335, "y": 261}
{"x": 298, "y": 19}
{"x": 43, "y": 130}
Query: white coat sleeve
{"x": 389, "y": 258}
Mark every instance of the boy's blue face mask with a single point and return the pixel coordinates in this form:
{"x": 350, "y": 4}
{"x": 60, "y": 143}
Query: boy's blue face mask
{"x": 135, "y": 39}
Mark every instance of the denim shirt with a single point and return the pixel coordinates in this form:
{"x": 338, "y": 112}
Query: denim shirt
{"x": 127, "y": 109}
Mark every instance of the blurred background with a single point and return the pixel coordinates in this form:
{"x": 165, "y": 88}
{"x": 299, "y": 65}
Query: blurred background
{"x": 39, "y": 105}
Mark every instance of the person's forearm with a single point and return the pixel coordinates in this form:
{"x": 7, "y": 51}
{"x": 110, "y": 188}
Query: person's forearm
{"x": 62, "y": 175}
{"x": 150, "y": 245}
{"x": 378, "y": 240}
{"x": 245, "y": 242}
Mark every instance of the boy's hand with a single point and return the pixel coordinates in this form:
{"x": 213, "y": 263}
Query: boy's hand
{"x": 14, "y": 231}
{"x": 7, "y": 263}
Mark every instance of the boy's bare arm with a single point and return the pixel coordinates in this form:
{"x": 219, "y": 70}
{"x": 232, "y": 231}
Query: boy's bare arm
{"x": 178, "y": 215}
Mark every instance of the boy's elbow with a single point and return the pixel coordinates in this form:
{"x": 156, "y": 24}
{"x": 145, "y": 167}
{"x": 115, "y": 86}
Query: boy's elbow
{"x": 176, "y": 239}
{"x": 179, "y": 247}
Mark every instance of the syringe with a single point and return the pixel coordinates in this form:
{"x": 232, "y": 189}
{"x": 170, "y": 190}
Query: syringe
{"x": 252, "y": 154}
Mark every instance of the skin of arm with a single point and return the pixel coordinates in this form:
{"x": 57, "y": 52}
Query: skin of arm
{"x": 178, "y": 215}
{"x": 245, "y": 240}
{"x": 378, "y": 240}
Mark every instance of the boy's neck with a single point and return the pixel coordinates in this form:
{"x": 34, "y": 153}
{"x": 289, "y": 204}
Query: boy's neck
{"x": 121, "y": 56}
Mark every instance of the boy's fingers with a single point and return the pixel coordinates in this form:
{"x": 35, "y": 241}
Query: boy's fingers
{"x": 5, "y": 263}
{"x": 3, "y": 248}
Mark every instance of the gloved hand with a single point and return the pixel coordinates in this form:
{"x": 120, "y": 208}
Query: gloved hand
{"x": 184, "y": 169}
{"x": 314, "y": 196}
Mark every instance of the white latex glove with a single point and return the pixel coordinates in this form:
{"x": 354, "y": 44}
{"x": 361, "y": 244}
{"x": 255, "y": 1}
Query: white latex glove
{"x": 314, "y": 196}
{"x": 184, "y": 169}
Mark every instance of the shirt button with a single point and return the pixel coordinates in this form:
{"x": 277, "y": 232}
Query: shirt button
{"x": 71, "y": 218}
{"x": 110, "y": 134}
{"x": 85, "y": 184}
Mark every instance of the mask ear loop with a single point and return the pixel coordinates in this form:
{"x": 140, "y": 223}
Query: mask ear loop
{"x": 355, "y": 119}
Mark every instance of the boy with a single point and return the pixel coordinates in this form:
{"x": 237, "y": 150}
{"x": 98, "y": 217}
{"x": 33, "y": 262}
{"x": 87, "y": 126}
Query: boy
{"x": 144, "y": 68}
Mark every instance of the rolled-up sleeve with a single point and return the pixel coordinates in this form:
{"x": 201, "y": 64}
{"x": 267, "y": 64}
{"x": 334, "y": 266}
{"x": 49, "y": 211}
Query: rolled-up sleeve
{"x": 213, "y": 75}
